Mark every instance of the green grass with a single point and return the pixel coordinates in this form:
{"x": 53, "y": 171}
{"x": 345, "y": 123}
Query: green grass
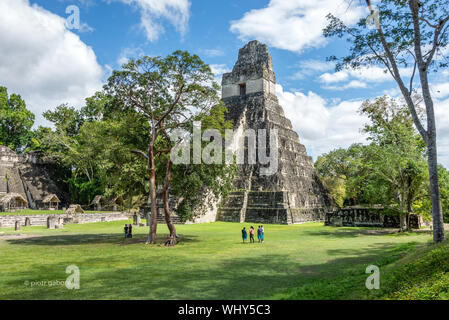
{"x": 38, "y": 212}
{"x": 422, "y": 275}
{"x": 306, "y": 261}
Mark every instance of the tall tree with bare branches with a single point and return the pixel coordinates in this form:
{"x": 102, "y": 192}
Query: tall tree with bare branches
{"x": 401, "y": 34}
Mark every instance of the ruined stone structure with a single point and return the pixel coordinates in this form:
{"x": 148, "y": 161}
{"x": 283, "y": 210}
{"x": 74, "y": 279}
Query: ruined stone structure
{"x": 28, "y": 175}
{"x": 8, "y": 221}
{"x": 368, "y": 217}
{"x": 294, "y": 193}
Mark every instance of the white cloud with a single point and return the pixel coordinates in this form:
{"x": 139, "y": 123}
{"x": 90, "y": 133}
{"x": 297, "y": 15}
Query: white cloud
{"x": 177, "y": 12}
{"x": 219, "y": 69}
{"x": 367, "y": 74}
{"x": 442, "y": 122}
{"x": 440, "y": 90}
{"x": 42, "y": 60}
{"x": 354, "y": 84}
{"x": 334, "y": 77}
{"x": 310, "y": 67}
{"x": 294, "y": 25}
{"x": 323, "y": 125}
{"x": 212, "y": 53}
{"x": 358, "y": 78}
{"x": 129, "y": 53}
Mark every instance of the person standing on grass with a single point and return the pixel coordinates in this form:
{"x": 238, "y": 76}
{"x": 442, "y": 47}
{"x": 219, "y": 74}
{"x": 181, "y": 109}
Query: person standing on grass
{"x": 244, "y": 234}
{"x": 262, "y": 231}
{"x": 126, "y": 230}
{"x": 130, "y": 231}
{"x": 251, "y": 234}
{"x": 259, "y": 234}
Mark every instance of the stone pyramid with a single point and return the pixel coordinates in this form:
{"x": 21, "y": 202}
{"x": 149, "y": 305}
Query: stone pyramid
{"x": 294, "y": 193}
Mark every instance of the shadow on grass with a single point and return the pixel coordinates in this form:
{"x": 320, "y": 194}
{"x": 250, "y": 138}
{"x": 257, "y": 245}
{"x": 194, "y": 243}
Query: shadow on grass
{"x": 82, "y": 239}
{"x": 335, "y": 232}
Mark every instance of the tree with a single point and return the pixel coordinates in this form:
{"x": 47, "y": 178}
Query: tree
{"x": 15, "y": 121}
{"x": 397, "y": 154}
{"x": 424, "y": 206}
{"x": 343, "y": 172}
{"x": 406, "y": 33}
{"x": 169, "y": 93}
{"x": 391, "y": 170}
{"x": 199, "y": 186}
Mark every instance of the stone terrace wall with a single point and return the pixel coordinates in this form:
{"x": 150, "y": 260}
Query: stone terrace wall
{"x": 367, "y": 217}
{"x": 7, "y": 221}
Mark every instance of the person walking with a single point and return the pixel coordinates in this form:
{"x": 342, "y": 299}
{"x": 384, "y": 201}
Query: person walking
{"x": 130, "y": 231}
{"x": 244, "y": 234}
{"x": 251, "y": 234}
{"x": 126, "y": 230}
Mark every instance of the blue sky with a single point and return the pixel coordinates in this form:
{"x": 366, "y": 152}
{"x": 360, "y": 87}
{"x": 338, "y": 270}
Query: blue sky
{"x": 48, "y": 64}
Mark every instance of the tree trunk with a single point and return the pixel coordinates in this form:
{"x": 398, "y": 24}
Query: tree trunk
{"x": 171, "y": 227}
{"x": 430, "y": 138}
{"x": 437, "y": 213}
{"x": 151, "y": 171}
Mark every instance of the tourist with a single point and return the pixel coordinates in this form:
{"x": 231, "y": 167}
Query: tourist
{"x": 126, "y": 230}
{"x": 262, "y": 231}
{"x": 259, "y": 234}
{"x": 251, "y": 234}
{"x": 244, "y": 234}
{"x": 130, "y": 231}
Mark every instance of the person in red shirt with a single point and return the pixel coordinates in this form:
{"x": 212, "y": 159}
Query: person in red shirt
{"x": 251, "y": 234}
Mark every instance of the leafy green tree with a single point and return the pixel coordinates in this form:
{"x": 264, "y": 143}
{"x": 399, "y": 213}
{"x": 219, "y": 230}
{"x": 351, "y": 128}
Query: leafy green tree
{"x": 397, "y": 154}
{"x": 391, "y": 170}
{"x": 199, "y": 186}
{"x": 406, "y": 33}
{"x": 15, "y": 121}
{"x": 169, "y": 93}
{"x": 343, "y": 172}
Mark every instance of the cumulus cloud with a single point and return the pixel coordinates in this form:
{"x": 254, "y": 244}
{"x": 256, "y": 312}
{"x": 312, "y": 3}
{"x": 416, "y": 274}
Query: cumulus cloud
{"x": 153, "y": 12}
{"x": 212, "y": 53}
{"x": 129, "y": 53}
{"x": 294, "y": 25}
{"x": 219, "y": 69}
{"x": 42, "y": 60}
{"x": 442, "y": 122}
{"x": 323, "y": 125}
{"x": 311, "y": 67}
{"x": 367, "y": 73}
{"x": 358, "y": 78}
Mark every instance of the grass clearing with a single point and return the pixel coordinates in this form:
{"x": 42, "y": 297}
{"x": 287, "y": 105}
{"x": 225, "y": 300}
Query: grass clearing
{"x": 308, "y": 261}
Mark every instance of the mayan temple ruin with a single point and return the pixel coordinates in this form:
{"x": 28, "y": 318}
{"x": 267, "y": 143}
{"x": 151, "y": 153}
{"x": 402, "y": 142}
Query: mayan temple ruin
{"x": 28, "y": 176}
{"x": 294, "y": 194}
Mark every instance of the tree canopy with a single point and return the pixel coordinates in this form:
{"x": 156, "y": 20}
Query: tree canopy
{"x": 16, "y": 121}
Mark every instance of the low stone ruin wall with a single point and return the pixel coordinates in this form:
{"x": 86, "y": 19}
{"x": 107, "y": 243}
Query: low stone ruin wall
{"x": 368, "y": 217}
{"x": 7, "y": 221}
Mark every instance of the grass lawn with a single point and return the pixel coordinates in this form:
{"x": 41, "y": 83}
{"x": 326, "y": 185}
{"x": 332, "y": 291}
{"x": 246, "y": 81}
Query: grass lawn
{"x": 308, "y": 261}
